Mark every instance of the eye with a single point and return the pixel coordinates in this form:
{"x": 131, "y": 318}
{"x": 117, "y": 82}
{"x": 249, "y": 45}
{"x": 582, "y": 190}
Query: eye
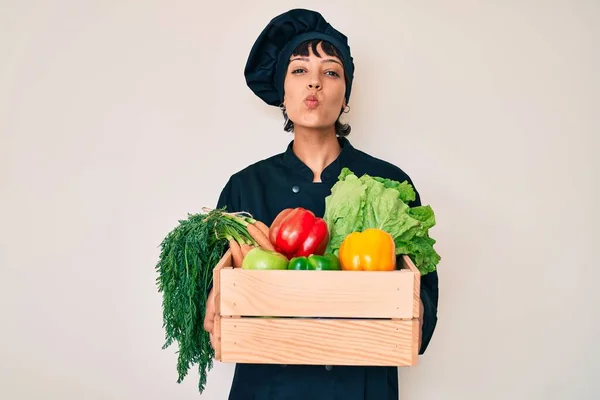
{"x": 333, "y": 73}
{"x": 297, "y": 71}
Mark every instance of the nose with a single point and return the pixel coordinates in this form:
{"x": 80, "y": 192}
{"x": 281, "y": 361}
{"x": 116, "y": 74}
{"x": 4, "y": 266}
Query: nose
{"x": 314, "y": 83}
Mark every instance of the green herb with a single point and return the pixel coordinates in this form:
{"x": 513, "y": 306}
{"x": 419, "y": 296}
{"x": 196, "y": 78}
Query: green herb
{"x": 356, "y": 204}
{"x": 185, "y": 268}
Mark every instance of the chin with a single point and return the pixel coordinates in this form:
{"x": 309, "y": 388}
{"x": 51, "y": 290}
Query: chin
{"x": 315, "y": 123}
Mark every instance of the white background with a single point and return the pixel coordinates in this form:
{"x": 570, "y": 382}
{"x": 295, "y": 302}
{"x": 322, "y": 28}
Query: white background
{"x": 119, "y": 117}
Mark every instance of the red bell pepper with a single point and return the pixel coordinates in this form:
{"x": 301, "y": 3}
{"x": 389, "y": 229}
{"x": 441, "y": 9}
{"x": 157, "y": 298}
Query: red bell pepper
{"x": 297, "y": 232}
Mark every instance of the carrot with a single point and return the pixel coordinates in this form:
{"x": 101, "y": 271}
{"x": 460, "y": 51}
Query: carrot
{"x": 262, "y": 227}
{"x": 236, "y": 253}
{"x": 245, "y": 249}
{"x": 262, "y": 240}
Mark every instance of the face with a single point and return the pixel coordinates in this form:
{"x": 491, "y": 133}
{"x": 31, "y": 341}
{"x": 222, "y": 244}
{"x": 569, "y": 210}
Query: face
{"x": 314, "y": 90}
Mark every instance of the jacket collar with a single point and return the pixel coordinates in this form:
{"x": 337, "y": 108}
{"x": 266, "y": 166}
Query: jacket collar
{"x": 330, "y": 173}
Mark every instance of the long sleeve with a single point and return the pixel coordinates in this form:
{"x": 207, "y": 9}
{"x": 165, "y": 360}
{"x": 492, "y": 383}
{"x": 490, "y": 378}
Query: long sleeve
{"x": 229, "y": 197}
{"x": 429, "y": 297}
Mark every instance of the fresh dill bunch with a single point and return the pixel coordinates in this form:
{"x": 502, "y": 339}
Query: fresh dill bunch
{"x": 188, "y": 256}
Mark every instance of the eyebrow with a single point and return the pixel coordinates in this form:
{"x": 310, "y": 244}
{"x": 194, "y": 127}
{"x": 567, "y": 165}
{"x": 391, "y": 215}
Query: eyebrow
{"x": 307, "y": 60}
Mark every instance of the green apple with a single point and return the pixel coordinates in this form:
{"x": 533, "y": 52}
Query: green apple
{"x": 259, "y": 258}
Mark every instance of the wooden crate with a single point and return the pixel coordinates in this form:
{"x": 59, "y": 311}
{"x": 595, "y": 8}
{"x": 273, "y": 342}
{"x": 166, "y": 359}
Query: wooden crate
{"x": 317, "y": 317}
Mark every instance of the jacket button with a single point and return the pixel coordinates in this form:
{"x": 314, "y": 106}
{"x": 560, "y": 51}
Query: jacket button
{"x": 328, "y": 367}
{"x": 295, "y": 189}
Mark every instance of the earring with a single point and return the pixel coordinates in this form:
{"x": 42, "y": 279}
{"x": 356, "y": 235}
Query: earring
{"x": 347, "y": 109}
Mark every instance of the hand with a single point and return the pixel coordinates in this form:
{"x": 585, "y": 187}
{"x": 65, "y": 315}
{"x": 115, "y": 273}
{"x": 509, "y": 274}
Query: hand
{"x": 209, "y": 319}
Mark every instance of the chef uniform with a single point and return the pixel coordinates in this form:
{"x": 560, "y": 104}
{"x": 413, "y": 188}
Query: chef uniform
{"x": 283, "y": 181}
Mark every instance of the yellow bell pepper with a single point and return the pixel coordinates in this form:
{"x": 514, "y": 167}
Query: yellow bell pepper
{"x": 370, "y": 250}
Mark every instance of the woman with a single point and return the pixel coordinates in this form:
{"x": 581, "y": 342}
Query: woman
{"x": 303, "y": 65}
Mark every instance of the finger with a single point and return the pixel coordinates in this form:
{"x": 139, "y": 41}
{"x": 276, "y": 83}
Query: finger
{"x": 208, "y": 323}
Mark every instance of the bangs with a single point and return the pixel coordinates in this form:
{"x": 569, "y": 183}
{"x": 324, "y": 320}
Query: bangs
{"x": 328, "y": 48}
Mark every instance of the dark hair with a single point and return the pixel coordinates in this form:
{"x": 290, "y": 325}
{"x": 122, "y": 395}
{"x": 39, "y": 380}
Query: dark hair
{"x": 341, "y": 129}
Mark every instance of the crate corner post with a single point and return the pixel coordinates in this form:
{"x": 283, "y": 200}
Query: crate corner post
{"x": 224, "y": 262}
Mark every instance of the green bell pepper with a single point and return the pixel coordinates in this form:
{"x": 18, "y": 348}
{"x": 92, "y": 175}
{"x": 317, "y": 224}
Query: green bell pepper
{"x": 315, "y": 262}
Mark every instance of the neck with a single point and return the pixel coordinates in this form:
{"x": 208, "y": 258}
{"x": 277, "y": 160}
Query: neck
{"x": 316, "y": 148}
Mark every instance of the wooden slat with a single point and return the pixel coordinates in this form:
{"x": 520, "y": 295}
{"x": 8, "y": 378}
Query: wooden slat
{"x": 407, "y": 264}
{"x": 224, "y": 263}
{"x": 350, "y": 294}
{"x": 416, "y": 337}
{"x": 217, "y": 337}
{"x": 318, "y": 341}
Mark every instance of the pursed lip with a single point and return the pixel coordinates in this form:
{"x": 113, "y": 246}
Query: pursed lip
{"x": 311, "y": 101}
